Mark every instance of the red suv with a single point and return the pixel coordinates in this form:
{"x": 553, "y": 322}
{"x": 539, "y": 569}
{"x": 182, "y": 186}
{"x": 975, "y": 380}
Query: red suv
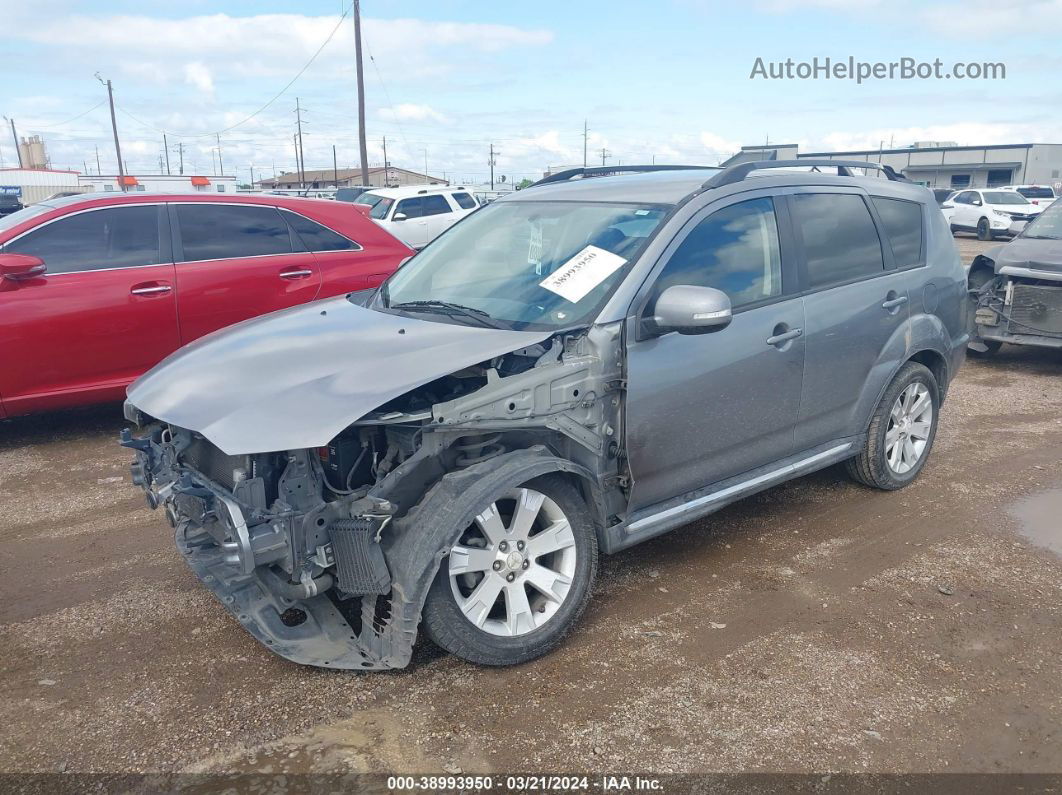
{"x": 95, "y": 290}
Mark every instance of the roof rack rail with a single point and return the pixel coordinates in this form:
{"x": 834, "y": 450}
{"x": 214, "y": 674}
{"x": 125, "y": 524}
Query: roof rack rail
{"x": 604, "y": 171}
{"x": 738, "y": 172}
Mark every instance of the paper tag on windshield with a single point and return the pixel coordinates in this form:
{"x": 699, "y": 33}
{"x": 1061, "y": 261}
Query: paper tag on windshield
{"x": 582, "y": 273}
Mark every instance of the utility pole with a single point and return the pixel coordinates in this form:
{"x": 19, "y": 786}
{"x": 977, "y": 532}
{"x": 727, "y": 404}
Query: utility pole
{"x": 425, "y": 162}
{"x": 335, "y": 166}
{"x": 604, "y": 154}
{"x": 180, "y": 152}
{"x": 302, "y": 157}
{"x": 14, "y": 135}
{"x": 298, "y": 163}
{"x": 252, "y": 176}
{"x": 98, "y": 171}
{"x": 166, "y": 149}
{"x": 387, "y": 171}
{"x": 586, "y": 132}
{"x": 363, "y": 150}
{"x": 114, "y": 129}
{"x": 492, "y": 162}
{"x": 221, "y": 165}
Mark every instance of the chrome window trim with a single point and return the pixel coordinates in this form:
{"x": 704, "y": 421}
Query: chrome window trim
{"x": 63, "y": 217}
{"x": 276, "y": 207}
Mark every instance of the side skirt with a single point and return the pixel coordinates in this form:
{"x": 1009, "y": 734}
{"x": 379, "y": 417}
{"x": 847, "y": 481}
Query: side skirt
{"x": 662, "y": 517}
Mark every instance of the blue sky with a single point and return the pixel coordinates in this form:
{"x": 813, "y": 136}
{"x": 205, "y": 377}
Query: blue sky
{"x": 667, "y": 79}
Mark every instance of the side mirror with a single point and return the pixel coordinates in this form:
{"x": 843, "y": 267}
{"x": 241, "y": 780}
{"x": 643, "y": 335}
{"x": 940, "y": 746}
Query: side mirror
{"x": 19, "y": 267}
{"x": 692, "y": 310}
{"x": 398, "y": 217}
{"x": 948, "y": 206}
{"x": 976, "y": 202}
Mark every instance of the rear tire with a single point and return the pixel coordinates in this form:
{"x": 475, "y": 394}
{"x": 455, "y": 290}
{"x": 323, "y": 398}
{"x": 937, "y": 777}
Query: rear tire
{"x": 901, "y": 432}
{"x": 470, "y": 611}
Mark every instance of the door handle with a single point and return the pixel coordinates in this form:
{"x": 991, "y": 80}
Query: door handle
{"x": 784, "y": 337}
{"x": 892, "y": 303}
{"x": 299, "y": 273}
{"x": 155, "y": 289}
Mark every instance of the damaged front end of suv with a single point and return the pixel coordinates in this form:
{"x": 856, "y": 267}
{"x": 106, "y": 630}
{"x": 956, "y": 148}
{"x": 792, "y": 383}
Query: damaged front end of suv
{"x": 1016, "y": 289}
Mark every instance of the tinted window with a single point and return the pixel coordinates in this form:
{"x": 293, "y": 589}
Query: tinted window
{"x": 840, "y": 241}
{"x": 1004, "y": 197}
{"x": 903, "y": 225}
{"x": 1037, "y": 193}
{"x": 464, "y": 200}
{"x": 435, "y": 204}
{"x": 215, "y": 231}
{"x": 316, "y": 237}
{"x": 734, "y": 250}
{"x": 411, "y": 207}
{"x": 117, "y": 237}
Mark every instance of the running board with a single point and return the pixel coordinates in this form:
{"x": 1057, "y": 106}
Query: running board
{"x": 654, "y": 521}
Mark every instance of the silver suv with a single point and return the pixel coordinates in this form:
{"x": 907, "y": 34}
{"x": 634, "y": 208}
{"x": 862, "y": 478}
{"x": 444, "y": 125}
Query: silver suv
{"x": 573, "y": 369}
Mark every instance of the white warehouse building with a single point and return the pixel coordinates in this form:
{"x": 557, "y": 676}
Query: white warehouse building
{"x": 942, "y": 164}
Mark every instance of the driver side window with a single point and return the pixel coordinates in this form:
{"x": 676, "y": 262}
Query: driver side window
{"x": 735, "y": 250}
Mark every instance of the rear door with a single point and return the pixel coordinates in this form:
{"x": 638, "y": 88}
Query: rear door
{"x": 104, "y": 312}
{"x": 854, "y": 305}
{"x": 439, "y": 215}
{"x": 237, "y": 261}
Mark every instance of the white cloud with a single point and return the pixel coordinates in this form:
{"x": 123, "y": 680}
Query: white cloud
{"x": 196, "y": 74}
{"x": 962, "y": 133}
{"x": 718, "y": 145}
{"x": 408, "y": 111}
{"x": 990, "y": 18}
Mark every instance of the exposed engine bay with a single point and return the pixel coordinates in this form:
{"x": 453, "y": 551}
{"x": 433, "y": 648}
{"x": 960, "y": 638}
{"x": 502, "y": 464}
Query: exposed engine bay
{"x": 1015, "y": 303}
{"x": 325, "y": 554}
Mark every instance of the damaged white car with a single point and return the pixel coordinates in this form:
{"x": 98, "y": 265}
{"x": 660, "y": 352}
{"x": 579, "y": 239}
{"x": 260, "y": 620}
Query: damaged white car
{"x": 577, "y": 367}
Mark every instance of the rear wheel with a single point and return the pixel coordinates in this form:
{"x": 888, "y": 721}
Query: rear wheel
{"x": 901, "y": 432}
{"x": 518, "y": 578}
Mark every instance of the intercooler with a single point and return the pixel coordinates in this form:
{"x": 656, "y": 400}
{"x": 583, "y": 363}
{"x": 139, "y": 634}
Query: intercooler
{"x": 1036, "y": 309}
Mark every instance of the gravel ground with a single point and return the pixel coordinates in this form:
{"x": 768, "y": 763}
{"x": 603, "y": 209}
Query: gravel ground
{"x": 817, "y": 626}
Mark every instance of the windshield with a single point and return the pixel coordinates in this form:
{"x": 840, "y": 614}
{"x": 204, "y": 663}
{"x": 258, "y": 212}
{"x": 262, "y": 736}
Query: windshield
{"x": 368, "y": 198}
{"x": 1047, "y": 225}
{"x": 1004, "y": 197}
{"x": 528, "y": 265}
{"x": 1037, "y": 193}
{"x": 380, "y": 207}
{"x": 17, "y": 217}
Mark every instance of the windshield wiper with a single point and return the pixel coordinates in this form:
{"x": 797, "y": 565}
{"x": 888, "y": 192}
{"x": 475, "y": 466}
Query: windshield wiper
{"x": 451, "y": 309}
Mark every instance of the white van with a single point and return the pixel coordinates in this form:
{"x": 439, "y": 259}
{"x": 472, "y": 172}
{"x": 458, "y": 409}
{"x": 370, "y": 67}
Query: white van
{"x": 417, "y": 214}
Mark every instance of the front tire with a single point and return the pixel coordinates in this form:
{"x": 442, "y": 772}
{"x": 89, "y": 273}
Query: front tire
{"x": 518, "y": 578}
{"x": 901, "y": 432}
{"x": 984, "y": 230}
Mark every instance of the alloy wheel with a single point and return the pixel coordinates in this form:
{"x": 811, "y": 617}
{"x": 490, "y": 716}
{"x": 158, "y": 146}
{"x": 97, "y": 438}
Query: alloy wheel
{"x": 513, "y": 568}
{"x": 910, "y": 424}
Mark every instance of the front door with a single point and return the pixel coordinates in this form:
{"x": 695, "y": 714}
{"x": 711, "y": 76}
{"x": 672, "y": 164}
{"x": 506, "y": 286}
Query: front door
{"x": 704, "y": 408}
{"x": 412, "y": 229}
{"x": 238, "y": 261}
{"x": 103, "y": 313}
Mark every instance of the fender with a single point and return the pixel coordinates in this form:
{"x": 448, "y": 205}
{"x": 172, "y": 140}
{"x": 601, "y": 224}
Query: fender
{"x": 923, "y": 332}
{"x": 417, "y": 543}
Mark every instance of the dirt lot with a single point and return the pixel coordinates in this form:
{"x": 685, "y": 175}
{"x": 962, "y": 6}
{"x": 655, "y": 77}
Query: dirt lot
{"x": 818, "y": 626}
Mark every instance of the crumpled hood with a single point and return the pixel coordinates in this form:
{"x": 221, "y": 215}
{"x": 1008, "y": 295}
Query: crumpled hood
{"x": 1041, "y": 255}
{"x": 296, "y": 378}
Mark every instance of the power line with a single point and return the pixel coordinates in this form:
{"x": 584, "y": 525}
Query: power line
{"x": 68, "y": 121}
{"x": 277, "y": 96}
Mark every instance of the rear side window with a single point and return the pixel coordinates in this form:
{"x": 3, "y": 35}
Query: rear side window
{"x": 317, "y": 237}
{"x": 214, "y": 231}
{"x": 734, "y": 250}
{"x": 435, "y": 204}
{"x": 464, "y": 200}
{"x": 840, "y": 241}
{"x": 903, "y": 225}
{"x": 115, "y": 237}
